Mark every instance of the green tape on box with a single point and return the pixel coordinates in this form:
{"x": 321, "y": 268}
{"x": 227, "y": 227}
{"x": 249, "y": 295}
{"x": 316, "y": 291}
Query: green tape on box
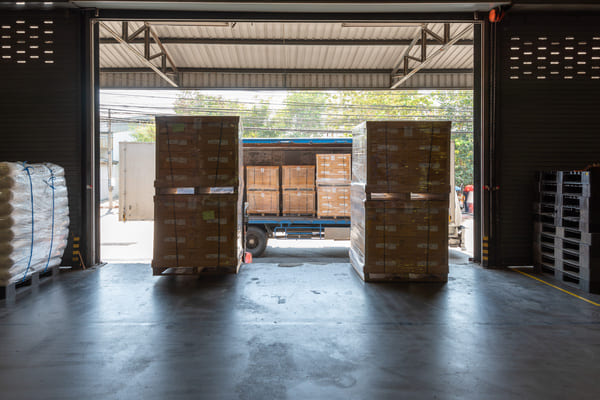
{"x": 208, "y": 215}
{"x": 177, "y": 128}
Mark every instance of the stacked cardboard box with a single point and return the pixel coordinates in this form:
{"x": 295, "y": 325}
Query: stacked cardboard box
{"x": 400, "y": 199}
{"x": 198, "y": 223}
{"x": 262, "y": 192}
{"x": 333, "y": 185}
{"x": 298, "y": 185}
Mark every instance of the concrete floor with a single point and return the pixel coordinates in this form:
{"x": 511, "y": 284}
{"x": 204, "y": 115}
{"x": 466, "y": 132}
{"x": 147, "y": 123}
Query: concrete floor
{"x": 299, "y": 331}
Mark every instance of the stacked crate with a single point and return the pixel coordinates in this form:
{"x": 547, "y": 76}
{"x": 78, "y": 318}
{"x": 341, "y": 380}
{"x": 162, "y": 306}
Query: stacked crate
{"x": 333, "y": 185}
{"x": 262, "y": 193}
{"x": 197, "y": 207}
{"x": 298, "y": 189}
{"x": 567, "y": 227}
{"x": 400, "y": 199}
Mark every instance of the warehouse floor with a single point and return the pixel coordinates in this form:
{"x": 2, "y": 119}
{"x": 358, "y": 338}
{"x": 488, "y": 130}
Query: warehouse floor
{"x": 301, "y": 331}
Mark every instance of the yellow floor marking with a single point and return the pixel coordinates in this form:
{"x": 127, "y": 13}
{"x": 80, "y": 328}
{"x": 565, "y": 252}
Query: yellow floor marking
{"x": 556, "y": 287}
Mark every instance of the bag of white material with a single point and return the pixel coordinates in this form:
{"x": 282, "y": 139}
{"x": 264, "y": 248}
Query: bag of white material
{"x": 34, "y": 219}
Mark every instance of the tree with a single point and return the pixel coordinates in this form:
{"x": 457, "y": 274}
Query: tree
{"x": 335, "y": 113}
{"x": 144, "y": 133}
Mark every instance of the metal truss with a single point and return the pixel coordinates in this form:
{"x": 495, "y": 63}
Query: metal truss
{"x": 423, "y": 39}
{"x": 148, "y": 33}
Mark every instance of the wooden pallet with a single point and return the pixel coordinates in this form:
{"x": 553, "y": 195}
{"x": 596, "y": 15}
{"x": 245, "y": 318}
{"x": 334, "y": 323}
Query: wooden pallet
{"x": 10, "y": 292}
{"x": 388, "y": 277}
{"x": 198, "y": 271}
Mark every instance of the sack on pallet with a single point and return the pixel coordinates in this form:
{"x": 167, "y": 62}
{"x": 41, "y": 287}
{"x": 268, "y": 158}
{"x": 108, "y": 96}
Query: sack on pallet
{"x": 34, "y": 219}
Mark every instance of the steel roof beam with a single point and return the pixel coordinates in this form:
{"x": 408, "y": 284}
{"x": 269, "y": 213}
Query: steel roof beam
{"x": 288, "y": 42}
{"x": 292, "y": 71}
{"x": 139, "y": 55}
{"x": 424, "y": 60}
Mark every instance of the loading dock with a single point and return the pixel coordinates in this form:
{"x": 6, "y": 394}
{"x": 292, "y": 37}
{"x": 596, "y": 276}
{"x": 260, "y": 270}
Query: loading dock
{"x": 514, "y": 116}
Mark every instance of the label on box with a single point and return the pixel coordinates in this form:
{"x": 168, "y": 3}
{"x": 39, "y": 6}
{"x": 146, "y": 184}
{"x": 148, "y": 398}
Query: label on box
{"x": 429, "y": 148}
{"x": 221, "y": 239}
{"x": 223, "y": 142}
{"x": 389, "y": 147}
{"x": 208, "y": 215}
{"x": 388, "y": 166}
{"x": 429, "y": 165}
{"x": 430, "y": 228}
{"x": 177, "y": 127}
{"x": 218, "y": 159}
{"x": 179, "y": 142}
{"x": 387, "y": 228}
{"x": 389, "y": 246}
{"x": 174, "y": 222}
{"x": 170, "y": 239}
{"x": 432, "y": 246}
{"x": 425, "y": 264}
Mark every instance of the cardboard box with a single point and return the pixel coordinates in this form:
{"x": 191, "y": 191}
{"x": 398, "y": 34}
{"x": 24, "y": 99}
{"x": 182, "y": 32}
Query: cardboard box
{"x": 298, "y": 177}
{"x": 298, "y": 202}
{"x": 197, "y": 231}
{"x": 399, "y": 236}
{"x": 262, "y": 178}
{"x": 333, "y": 201}
{"x": 402, "y": 156}
{"x": 263, "y": 202}
{"x": 334, "y": 169}
{"x": 198, "y": 151}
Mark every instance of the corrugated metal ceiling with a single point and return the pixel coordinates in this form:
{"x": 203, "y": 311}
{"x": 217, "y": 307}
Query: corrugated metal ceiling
{"x": 239, "y": 56}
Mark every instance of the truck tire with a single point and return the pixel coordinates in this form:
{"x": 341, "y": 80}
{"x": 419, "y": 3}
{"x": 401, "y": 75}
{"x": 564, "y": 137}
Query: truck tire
{"x": 256, "y": 241}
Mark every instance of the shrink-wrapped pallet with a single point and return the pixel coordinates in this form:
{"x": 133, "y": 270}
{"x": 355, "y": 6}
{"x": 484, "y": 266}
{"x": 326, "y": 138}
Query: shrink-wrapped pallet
{"x": 34, "y": 219}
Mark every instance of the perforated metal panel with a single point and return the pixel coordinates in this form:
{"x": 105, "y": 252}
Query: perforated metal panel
{"x": 554, "y": 56}
{"x": 546, "y": 116}
{"x": 26, "y": 40}
{"x": 41, "y": 97}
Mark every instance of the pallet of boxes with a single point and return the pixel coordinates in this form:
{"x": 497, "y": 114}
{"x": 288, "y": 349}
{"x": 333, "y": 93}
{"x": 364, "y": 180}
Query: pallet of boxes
{"x": 298, "y": 184}
{"x": 400, "y": 199}
{"x": 197, "y": 206}
{"x": 262, "y": 190}
{"x": 333, "y": 185}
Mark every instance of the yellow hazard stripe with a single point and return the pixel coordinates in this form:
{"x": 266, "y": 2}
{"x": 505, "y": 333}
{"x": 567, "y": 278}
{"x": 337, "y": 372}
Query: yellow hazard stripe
{"x": 556, "y": 287}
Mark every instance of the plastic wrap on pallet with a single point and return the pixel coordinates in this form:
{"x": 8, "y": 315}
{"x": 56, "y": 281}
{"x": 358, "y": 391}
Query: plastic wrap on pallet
{"x": 34, "y": 219}
{"x": 402, "y": 156}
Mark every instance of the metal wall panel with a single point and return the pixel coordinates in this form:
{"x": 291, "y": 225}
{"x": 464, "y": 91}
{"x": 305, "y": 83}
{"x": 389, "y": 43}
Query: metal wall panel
{"x": 41, "y": 97}
{"x": 546, "y": 116}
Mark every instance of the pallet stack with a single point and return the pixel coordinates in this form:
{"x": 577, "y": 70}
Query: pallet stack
{"x": 197, "y": 206}
{"x": 400, "y": 199}
{"x": 262, "y": 191}
{"x": 333, "y": 185}
{"x": 298, "y": 190}
{"x": 567, "y": 227}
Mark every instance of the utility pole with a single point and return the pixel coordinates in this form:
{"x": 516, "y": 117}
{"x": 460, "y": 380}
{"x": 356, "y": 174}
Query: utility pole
{"x": 110, "y": 163}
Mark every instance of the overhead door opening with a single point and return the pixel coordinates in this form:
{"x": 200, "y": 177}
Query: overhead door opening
{"x": 326, "y": 58}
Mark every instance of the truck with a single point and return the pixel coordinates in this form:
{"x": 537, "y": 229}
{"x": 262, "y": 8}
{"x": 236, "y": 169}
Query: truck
{"x": 292, "y": 151}
{"x": 303, "y": 151}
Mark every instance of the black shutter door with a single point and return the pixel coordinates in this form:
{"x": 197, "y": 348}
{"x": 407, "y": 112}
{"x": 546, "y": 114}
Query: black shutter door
{"x": 41, "y": 97}
{"x": 548, "y": 108}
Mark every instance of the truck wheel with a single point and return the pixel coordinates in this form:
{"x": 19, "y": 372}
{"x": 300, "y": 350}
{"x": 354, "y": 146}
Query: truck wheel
{"x": 256, "y": 241}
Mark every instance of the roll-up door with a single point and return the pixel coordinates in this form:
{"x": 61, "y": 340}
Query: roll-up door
{"x": 547, "y": 115}
{"x": 41, "y": 101}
